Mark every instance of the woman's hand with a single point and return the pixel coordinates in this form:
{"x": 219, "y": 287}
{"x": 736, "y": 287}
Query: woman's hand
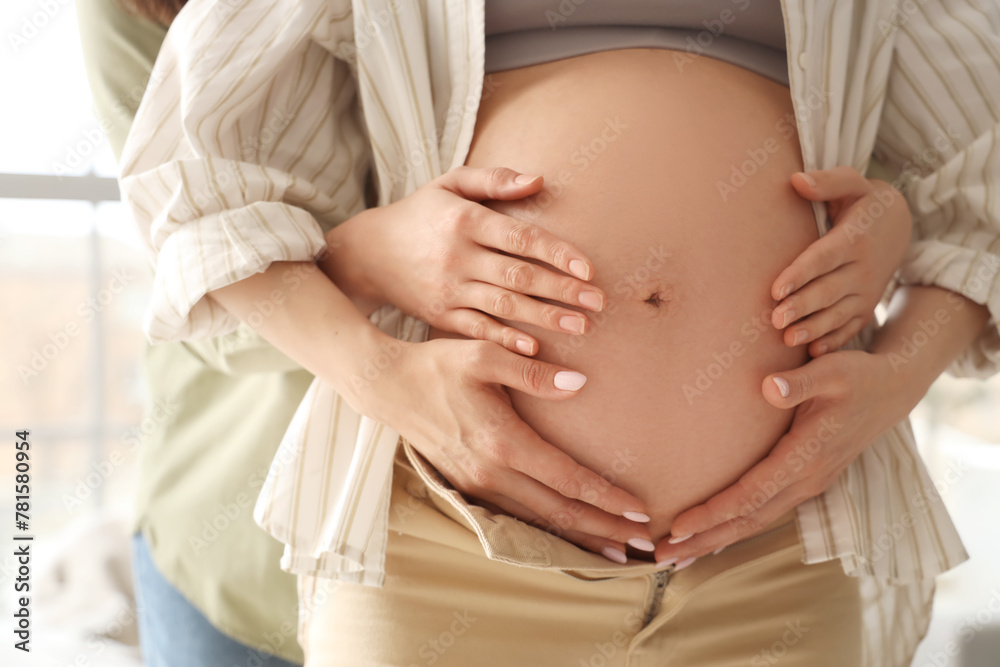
{"x": 441, "y": 256}
{"x": 448, "y": 398}
{"x": 829, "y": 293}
{"x": 843, "y": 401}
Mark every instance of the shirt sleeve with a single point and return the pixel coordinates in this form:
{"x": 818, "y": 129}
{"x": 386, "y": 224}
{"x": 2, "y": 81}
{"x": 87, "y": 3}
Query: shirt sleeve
{"x": 246, "y": 148}
{"x": 940, "y": 137}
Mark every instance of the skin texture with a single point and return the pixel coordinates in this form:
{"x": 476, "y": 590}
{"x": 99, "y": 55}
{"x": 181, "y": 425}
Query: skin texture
{"x": 633, "y": 152}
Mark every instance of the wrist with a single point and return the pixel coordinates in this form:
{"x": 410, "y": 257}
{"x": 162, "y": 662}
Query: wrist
{"x": 347, "y": 261}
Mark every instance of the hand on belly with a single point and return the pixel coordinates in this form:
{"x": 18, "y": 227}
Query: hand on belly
{"x": 633, "y": 153}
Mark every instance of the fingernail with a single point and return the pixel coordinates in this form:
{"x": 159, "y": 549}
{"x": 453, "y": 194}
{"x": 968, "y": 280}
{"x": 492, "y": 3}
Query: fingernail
{"x": 787, "y": 318}
{"x": 592, "y": 300}
{"x": 718, "y": 551}
{"x": 524, "y": 179}
{"x": 570, "y": 380}
{"x": 640, "y": 543}
{"x": 800, "y": 337}
{"x": 784, "y": 291}
{"x": 782, "y": 386}
{"x": 666, "y": 562}
{"x": 822, "y": 348}
{"x": 579, "y": 269}
{"x": 680, "y": 538}
{"x": 572, "y": 323}
{"x": 523, "y": 345}
{"x": 684, "y": 563}
{"x": 615, "y": 555}
{"x": 808, "y": 179}
{"x": 636, "y": 516}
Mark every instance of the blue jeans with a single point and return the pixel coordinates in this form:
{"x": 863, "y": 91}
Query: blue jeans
{"x": 173, "y": 633}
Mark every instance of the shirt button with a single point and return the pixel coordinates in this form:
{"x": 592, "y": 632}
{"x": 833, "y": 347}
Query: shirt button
{"x": 803, "y": 59}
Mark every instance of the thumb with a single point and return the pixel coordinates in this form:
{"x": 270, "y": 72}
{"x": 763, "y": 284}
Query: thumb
{"x": 831, "y": 184}
{"x": 790, "y": 388}
{"x": 482, "y": 183}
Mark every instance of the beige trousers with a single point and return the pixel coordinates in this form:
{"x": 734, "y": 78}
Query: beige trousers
{"x": 468, "y": 588}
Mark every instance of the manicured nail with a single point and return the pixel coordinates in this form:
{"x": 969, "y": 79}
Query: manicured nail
{"x": 800, "y": 337}
{"x": 680, "y": 538}
{"x": 787, "y": 318}
{"x": 718, "y": 551}
{"x": 591, "y": 300}
{"x": 523, "y": 345}
{"x": 783, "y": 387}
{"x": 640, "y": 543}
{"x": 684, "y": 563}
{"x": 785, "y": 290}
{"x": 570, "y": 380}
{"x": 615, "y": 555}
{"x": 636, "y": 516}
{"x": 579, "y": 269}
{"x": 524, "y": 179}
{"x": 666, "y": 562}
{"x": 572, "y": 323}
{"x": 808, "y": 179}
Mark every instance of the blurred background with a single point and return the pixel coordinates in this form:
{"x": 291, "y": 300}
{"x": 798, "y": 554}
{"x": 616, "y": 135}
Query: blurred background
{"x": 73, "y": 288}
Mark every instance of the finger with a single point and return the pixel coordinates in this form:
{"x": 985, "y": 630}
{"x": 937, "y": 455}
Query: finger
{"x": 843, "y": 183}
{"x": 532, "y": 456}
{"x": 717, "y": 538}
{"x": 475, "y": 324}
{"x": 749, "y": 493}
{"x": 523, "y": 239}
{"x": 564, "y": 513}
{"x": 610, "y": 549}
{"x": 823, "y": 256}
{"x": 482, "y": 183}
{"x": 837, "y": 339}
{"x": 819, "y": 377}
{"x": 517, "y": 307}
{"x": 527, "y": 278}
{"x": 493, "y": 364}
{"x": 817, "y": 295}
{"x": 823, "y": 322}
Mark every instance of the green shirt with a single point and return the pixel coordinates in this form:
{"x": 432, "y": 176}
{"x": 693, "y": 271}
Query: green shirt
{"x": 218, "y": 409}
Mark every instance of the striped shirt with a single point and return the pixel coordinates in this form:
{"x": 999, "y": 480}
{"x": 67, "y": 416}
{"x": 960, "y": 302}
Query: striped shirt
{"x": 263, "y": 117}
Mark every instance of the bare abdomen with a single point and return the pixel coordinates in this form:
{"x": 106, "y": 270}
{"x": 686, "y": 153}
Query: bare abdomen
{"x": 676, "y": 185}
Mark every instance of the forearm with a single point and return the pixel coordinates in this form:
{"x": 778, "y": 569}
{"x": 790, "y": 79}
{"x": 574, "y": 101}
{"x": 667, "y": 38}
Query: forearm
{"x": 296, "y": 308}
{"x": 927, "y": 329}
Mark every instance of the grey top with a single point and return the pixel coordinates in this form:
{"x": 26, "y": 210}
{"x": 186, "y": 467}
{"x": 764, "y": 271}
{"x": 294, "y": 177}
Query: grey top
{"x": 747, "y": 33}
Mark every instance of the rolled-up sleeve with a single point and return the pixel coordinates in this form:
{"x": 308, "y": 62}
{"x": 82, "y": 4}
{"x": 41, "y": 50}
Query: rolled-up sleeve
{"x": 248, "y": 146}
{"x": 940, "y": 138}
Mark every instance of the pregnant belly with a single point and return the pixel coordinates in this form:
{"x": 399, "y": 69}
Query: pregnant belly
{"x": 676, "y": 185}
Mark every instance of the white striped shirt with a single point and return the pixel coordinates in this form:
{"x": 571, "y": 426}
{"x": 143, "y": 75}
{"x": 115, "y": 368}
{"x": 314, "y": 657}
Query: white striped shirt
{"x": 263, "y": 117}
